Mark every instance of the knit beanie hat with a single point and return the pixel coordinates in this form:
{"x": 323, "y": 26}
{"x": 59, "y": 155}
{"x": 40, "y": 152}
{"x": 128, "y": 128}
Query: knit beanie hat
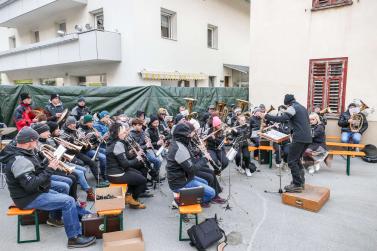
{"x": 288, "y": 99}
{"x": 55, "y": 95}
{"x": 70, "y": 120}
{"x": 53, "y": 126}
{"x": 40, "y": 127}
{"x": 103, "y": 114}
{"x": 26, "y": 135}
{"x": 87, "y": 118}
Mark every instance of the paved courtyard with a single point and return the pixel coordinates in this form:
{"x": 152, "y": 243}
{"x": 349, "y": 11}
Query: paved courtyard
{"x": 256, "y": 221}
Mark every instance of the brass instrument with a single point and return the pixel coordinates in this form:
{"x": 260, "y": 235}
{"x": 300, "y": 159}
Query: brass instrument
{"x": 40, "y": 114}
{"x": 63, "y": 117}
{"x": 243, "y": 104}
{"x": 326, "y": 110}
{"x": 190, "y": 105}
{"x": 67, "y": 144}
{"x": 358, "y": 118}
{"x": 222, "y": 110}
{"x": 48, "y": 153}
{"x": 76, "y": 142}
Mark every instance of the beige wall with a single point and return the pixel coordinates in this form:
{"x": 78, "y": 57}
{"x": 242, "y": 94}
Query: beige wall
{"x": 285, "y": 35}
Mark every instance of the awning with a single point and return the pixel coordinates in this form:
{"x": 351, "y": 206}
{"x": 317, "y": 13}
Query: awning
{"x": 240, "y": 68}
{"x": 153, "y": 75}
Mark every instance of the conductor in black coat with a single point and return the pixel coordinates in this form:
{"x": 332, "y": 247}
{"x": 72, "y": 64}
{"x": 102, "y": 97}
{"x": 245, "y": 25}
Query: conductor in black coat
{"x": 298, "y": 117}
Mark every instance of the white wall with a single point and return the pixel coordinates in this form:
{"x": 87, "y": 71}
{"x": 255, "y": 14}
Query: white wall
{"x": 138, "y": 21}
{"x": 286, "y": 34}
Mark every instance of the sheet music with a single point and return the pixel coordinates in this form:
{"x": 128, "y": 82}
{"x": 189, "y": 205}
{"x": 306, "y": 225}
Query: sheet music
{"x": 59, "y": 152}
{"x": 276, "y": 135}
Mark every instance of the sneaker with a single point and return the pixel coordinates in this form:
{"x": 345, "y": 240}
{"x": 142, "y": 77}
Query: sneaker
{"x": 55, "y": 222}
{"x": 174, "y": 205}
{"x": 292, "y": 188}
{"x": 90, "y": 195}
{"x": 317, "y": 167}
{"x": 81, "y": 241}
{"x": 241, "y": 170}
{"x": 218, "y": 200}
{"x": 311, "y": 170}
{"x": 248, "y": 173}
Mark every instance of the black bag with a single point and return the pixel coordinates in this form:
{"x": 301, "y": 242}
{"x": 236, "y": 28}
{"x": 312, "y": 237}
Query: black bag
{"x": 371, "y": 153}
{"x": 205, "y": 234}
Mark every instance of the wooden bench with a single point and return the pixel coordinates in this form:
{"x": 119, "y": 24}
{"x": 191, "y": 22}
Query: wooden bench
{"x": 14, "y": 211}
{"x": 185, "y": 210}
{"x": 333, "y": 137}
{"x": 349, "y": 153}
{"x": 263, "y": 148}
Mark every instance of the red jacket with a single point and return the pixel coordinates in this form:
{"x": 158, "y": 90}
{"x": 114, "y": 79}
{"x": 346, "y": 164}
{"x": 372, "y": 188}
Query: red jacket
{"x": 23, "y": 116}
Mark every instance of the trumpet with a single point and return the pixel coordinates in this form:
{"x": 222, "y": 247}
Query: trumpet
{"x": 48, "y": 152}
{"x": 67, "y": 144}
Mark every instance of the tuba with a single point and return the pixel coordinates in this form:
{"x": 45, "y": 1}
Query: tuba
{"x": 222, "y": 110}
{"x": 189, "y": 106}
{"x": 358, "y": 118}
{"x": 243, "y": 104}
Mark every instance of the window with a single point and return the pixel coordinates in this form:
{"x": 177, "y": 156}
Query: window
{"x": 211, "y": 81}
{"x": 12, "y": 42}
{"x": 98, "y": 19}
{"x": 212, "y": 36}
{"x": 36, "y": 36}
{"x": 183, "y": 83}
{"x": 62, "y": 26}
{"x": 327, "y": 83}
{"x": 168, "y": 24}
{"x": 324, "y": 4}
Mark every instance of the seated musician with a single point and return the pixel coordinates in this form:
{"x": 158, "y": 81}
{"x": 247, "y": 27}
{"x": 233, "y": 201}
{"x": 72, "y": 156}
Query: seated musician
{"x": 345, "y": 121}
{"x": 70, "y": 134}
{"x": 30, "y": 188}
{"x": 80, "y": 110}
{"x": 282, "y": 149}
{"x": 138, "y": 135}
{"x": 215, "y": 144}
{"x": 316, "y": 151}
{"x": 153, "y": 134}
{"x": 243, "y": 155}
{"x": 180, "y": 166}
{"x": 79, "y": 170}
{"x": 255, "y": 124}
{"x": 163, "y": 126}
{"x": 120, "y": 167}
{"x": 103, "y": 123}
{"x": 205, "y": 172}
{"x": 54, "y": 108}
{"x": 23, "y": 115}
{"x": 87, "y": 129}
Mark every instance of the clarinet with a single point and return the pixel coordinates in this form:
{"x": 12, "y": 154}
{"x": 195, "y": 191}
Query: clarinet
{"x": 134, "y": 146}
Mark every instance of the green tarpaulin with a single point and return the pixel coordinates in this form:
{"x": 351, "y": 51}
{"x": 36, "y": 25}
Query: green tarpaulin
{"x": 113, "y": 99}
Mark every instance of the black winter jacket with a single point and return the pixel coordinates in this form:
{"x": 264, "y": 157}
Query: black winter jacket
{"x": 213, "y": 143}
{"x": 298, "y": 117}
{"x": 343, "y": 122}
{"x": 53, "y": 110}
{"x": 139, "y": 137}
{"x": 79, "y": 112}
{"x": 181, "y": 167}
{"x": 154, "y": 135}
{"x": 27, "y": 176}
{"x": 117, "y": 159}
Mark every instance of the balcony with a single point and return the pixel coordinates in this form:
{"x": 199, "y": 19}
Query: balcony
{"x": 78, "y": 49}
{"x": 17, "y": 13}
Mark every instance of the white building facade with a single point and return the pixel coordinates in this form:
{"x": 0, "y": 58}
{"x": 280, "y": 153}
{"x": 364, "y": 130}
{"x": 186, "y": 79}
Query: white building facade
{"x": 322, "y": 51}
{"x": 125, "y": 43}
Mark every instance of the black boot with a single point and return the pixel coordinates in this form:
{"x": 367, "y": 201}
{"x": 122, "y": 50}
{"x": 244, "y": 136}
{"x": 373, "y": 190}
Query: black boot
{"x": 293, "y": 188}
{"x": 81, "y": 241}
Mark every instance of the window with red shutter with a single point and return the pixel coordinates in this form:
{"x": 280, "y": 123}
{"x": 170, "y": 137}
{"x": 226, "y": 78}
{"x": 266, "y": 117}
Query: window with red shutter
{"x": 327, "y": 82}
{"x": 324, "y": 4}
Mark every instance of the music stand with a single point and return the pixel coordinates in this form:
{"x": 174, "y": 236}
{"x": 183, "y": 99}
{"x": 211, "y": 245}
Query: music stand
{"x": 278, "y": 138}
